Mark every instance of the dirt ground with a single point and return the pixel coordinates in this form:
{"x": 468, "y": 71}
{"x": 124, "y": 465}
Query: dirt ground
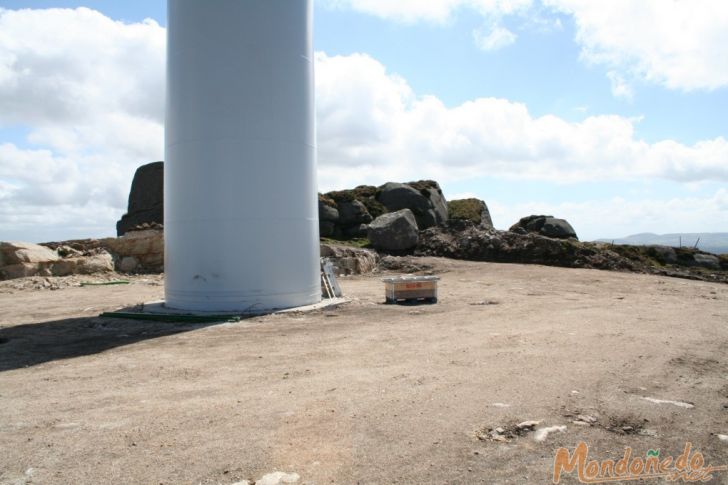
{"x": 366, "y": 392}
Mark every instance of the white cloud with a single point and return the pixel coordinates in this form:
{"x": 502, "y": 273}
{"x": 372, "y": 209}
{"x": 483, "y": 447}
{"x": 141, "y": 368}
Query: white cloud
{"x": 492, "y": 36}
{"x": 680, "y": 44}
{"x": 90, "y": 91}
{"x": 370, "y": 118}
{"x": 620, "y": 87}
{"x": 435, "y": 11}
{"x": 618, "y": 217}
{"x": 497, "y": 38}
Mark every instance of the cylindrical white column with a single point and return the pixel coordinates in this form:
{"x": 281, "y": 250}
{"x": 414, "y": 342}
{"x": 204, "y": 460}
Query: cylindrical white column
{"x": 240, "y": 203}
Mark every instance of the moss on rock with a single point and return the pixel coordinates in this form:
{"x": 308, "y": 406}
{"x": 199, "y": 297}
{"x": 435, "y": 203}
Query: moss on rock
{"x": 326, "y": 200}
{"x": 466, "y": 209}
{"x": 366, "y": 194}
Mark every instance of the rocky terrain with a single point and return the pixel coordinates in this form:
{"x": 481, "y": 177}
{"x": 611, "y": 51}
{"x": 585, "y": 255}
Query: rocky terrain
{"x": 477, "y": 244}
{"x": 146, "y": 198}
{"x": 512, "y": 363}
{"x": 360, "y": 225}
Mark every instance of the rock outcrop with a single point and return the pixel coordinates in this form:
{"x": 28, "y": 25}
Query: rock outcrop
{"x": 470, "y": 210}
{"x": 479, "y": 244}
{"x": 394, "y": 231}
{"x": 18, "y": 260}
{"x": 663, "y": 254}
{"x": 349, "y": 260}
{"x": 424, "y": 199}
{"x": 137, "y": 251}
{"x": 708, "y": 261}
{"x": 328, "y": 216}
{"x": 345, "y": 214}
{"x": 548, "y": 226}
{"x": 146, "y": 198}
{"x": 140, "y": 251}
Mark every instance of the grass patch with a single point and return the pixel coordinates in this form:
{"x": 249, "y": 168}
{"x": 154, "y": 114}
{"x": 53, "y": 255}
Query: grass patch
{"x": 354, "y": 243}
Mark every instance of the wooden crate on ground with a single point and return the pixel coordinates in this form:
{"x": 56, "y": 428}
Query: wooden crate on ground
{"x": 410, "y": 288}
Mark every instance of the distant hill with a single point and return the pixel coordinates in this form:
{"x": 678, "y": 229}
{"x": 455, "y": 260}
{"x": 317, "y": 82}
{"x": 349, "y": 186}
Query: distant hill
{"x": 712, "y": 242}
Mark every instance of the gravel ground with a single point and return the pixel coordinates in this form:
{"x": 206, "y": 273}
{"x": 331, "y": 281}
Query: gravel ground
{"x": 366, "y": 392}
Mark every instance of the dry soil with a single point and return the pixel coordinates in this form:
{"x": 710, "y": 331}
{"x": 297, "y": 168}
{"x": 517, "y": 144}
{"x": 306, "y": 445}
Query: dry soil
{"x": 366, "y": 392}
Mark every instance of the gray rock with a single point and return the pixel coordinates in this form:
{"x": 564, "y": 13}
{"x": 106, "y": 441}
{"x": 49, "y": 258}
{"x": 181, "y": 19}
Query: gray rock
{"x": 548, "y": 226}
{"x": 439, "y": 205}
{"x": 707, "y": 261}
{"x": 485, "y": 220}
{"x": 557, "y": 228}
{"x": 530, "y": 223}
{"x": 326, "y": 228}
{"x": 146, "y": 198}
{"x": 429, "y": 206}
{"x": 395, "y": 196}
{"x": 394, "y": 231}
{"x": 327, "y": 213}
{"x": 353, "y": 212}
{"x": 328, "y": 216}
{"x": 357, "y": 231}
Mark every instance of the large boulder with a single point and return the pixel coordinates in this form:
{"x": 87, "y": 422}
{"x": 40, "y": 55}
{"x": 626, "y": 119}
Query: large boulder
{"x": 22, "y": 252}
{"x": 146, "y": 198}
{"x": 439, "y": 204}
{"x": 394, "y": 231}
{"x": 473, "y": 210}
{"x": 353, "y": 212}
{"x": 350, "y": 260}
{"x": 145, "y": 247}
{"x": 344, "y": 214}
{"x": 548, "y": 226}
{"x": 709, "y": 261}
{"x": 395, "y": 196}
{"x": 328, "y": 216}
{"x": 20, "y": 259}
{"x": 101, "y": 262}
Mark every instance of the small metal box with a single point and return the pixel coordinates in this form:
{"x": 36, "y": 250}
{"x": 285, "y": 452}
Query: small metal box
{"x": 410, "y": 288}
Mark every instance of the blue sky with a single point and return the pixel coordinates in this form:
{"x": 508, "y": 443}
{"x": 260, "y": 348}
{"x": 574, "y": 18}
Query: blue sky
{"x": 549, "y": 107}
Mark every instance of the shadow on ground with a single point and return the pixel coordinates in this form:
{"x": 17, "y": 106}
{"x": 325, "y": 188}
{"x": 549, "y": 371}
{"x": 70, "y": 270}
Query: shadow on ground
{"x": 36, "y": 343}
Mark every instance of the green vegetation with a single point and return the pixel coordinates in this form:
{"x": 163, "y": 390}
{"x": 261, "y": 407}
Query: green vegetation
{"x": 355, "y": 243}
{"x": 423, "y": 185}
{"x": 366, "y": 194}
{"x": 327, "y": 201}
{"x": 465, "y": 209}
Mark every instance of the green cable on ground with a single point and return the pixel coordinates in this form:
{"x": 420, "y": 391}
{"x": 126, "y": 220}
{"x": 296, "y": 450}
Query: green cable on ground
{"x": 104, "y": 283}
{"x": 158, "y": 317}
